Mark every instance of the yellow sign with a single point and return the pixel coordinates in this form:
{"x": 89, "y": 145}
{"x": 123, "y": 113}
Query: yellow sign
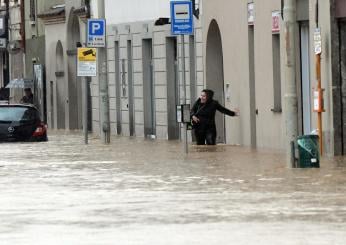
{"x": 86, "y": 63}
{"x": 87, "y": 54}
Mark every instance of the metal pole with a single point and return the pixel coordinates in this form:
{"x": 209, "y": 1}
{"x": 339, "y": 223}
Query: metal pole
{"x": 319, "y": 89}
{"x": 184, "y": 89}
{"x": 103, "y": 83}
{"x": 85, "y": 108}
{"x": 319, "y": 84}
{"x": 291, "y": 103}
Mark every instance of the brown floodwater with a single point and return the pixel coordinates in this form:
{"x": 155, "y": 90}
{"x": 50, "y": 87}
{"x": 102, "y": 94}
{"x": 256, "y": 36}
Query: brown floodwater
{"x": 137, "y": 191}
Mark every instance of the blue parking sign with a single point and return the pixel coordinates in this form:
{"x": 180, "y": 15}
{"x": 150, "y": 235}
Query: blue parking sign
{"x": 96, "y": 33}
{"x": 181, "y": 18}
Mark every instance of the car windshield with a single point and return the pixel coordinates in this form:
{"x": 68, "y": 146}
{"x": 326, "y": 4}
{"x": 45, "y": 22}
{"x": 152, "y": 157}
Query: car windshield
{"x": 17, "y": 114}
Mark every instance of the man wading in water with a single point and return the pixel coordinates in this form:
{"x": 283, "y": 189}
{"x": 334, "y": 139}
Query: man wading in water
{"x": 203, "y": 117}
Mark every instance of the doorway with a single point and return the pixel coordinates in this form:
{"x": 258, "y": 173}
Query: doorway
{"x": 74, "y": 102}
{"x": 172, "y": 87}
{"x": 130, "y": 89}
{"x": 60, "y": 87}
{"x": 342, "y": 96}
{"x": 118, "y": 86}
{"x": 215, "y": 75}
{"x": 52, "y": 105}
{"x": 252, "y": 86}
{"x": 192, "y": 58}
{"x": 148, "y": 89}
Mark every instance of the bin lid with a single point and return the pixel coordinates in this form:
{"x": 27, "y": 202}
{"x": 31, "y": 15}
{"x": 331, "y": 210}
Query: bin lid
{"x": 308, "y": 136}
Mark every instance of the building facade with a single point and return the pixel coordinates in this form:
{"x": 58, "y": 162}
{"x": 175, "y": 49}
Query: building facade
{"x": 4, "y": 55}
{"x": 145, "y": 70}
{"x": 338, "y": 79}
{"x": 141, "y": 84}
{"x": 145, "y": 77}
{"x": 24, "y": 53}
{"x": 238, "y": 50}
{"x": 65, "y": 26}
{"x": 244, "y": 51}
{"x": 13, "y": 55}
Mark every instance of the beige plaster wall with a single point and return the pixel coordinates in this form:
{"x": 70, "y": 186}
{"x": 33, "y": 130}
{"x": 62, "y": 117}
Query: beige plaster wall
{"x": 232, "y": 20}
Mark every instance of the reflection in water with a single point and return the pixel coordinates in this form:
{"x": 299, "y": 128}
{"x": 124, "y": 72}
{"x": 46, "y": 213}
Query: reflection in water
{"x": 136, "y": 191}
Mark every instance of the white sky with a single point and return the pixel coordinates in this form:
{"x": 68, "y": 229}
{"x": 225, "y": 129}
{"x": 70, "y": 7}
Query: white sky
{"x": 121, "y": 11}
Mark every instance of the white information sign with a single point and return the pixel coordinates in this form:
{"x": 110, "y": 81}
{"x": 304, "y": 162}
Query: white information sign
{"x": 86, "y": 63}
{"x": 250, "y": 13}
{"x": 318, "y": 41}
{"x": 316, "y": 101}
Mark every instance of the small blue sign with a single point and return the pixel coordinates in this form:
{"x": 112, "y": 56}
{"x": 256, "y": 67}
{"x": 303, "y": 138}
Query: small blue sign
{"x": 96, "y": 33}
{"x": 181, "y": 18}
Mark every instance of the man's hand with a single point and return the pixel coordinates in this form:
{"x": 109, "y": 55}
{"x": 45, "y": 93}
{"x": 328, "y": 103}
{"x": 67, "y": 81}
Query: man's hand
{"x": 237, "y": 112}
{"x": 195, "y": 119}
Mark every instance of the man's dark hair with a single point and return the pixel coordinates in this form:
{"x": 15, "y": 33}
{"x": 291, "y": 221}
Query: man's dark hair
{"x": 209, "y": 93}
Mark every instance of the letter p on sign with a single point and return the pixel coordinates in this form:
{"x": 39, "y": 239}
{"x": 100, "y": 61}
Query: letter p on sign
{"x": 95, "y": 27}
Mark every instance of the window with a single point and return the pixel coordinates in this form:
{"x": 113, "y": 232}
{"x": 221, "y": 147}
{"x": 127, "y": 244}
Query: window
{"x": 32, "y": 10}
{"x": 276, "y": 73}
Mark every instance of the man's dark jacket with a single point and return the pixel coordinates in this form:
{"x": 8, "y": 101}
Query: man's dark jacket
{"x": 206, "y": 113}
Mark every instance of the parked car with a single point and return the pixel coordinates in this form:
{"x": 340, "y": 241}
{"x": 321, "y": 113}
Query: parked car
{"x": 21, "y": 123}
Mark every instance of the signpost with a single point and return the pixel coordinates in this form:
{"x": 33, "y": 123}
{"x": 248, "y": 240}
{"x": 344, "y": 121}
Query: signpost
{"x": 96, "y": 33}
{"x": 86, "y": 67}
{"x": 182, "y": 24}
{"x": 181, "y": 18}
{"x": 318, "y": 93}
{"x": 96, "y": 38}
{"x": 317, "y": 41}
{"x": 276, "y": 15}
{"x": 86, "y": 63}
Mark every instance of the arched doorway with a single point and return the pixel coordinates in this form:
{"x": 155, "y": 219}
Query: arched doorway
{"x": 74, "y": 83}
{"x": 60, "y": 87}
{"x": 215, "y": 75}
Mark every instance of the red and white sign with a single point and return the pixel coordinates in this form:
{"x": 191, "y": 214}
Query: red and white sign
{"x": 276, "y": 21}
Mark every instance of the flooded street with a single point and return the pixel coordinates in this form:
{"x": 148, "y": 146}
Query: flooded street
{"x": 141, "y": 192}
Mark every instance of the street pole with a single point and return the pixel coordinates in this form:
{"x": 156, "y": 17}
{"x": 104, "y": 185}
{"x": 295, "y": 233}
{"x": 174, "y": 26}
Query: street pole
{"x": 85, "y": 108}
{"x": 320, "y": 93}
{"x": 184, "y": 89}
{"x": 103, "y": 83}
{"x": 318, "y": 52}
{"x": 291, "y": 103}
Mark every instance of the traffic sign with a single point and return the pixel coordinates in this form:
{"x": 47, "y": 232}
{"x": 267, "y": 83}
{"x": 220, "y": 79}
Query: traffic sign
{"x": 318, "y": 41}
{"x": 96, "y": 33}
{"x": 181, "y": 18}
{"x": 86, "y": 63}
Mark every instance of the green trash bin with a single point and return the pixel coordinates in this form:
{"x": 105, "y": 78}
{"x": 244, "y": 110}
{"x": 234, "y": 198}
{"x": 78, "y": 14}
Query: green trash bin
{"x": 309, "y": 153}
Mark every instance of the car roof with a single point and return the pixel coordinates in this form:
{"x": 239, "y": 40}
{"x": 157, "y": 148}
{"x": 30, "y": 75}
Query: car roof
{"x": 19, "y": 105}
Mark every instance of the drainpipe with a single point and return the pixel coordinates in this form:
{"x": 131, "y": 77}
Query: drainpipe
{"x": 7, "y": 9}
{"x": 7, "y": 24}
{"x": 103, "y": 83}
{"x": 291, "y": 102}
{"x": 22, "y": 35}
